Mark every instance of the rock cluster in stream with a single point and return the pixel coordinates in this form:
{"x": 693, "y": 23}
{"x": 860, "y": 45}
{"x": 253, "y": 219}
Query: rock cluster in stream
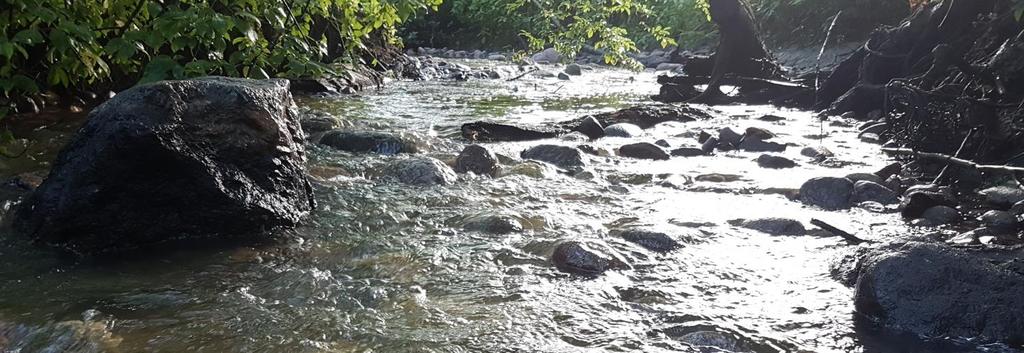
{"x": 657, "y": 58}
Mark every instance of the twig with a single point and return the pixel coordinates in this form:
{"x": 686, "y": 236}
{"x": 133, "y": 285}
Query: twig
{"x": 523, "y": 74}
{"x": 131, "y": 19}
{"x": 959, "y": 151}
{"x": 850, "y": 238}
{"x": 954, "y": 160}
{"x": 817, "y": 62}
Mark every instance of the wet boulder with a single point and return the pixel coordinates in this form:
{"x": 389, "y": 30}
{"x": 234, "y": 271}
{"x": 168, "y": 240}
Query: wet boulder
{"x": 650, "y": 240}
{"x": 623, "y": 130}
{"x": 319, "y": 123}
{"x": 917, "y": 201}
{"x": 937, "y": 291}
{"x": 688, "y": 152}
{"x": 755, "y": 145}
{"x": 940, "y": 215}
{"x": 709, "y": 145}
{"x": 561, "y": 156}
{"x": 871, "y": 191}
{"x": 493, "y": 224}
{"x": 591, "y": 127}
{"x": 717, "y": 341}
{"x": 1017, "y": 209}
{"x": 771, "y": 118}
{"x": 572, "y": 257}
{"x": 366, "y": 142}
{"x": 774, "y": 162}
{"x": 758, "y": 134}
{"x": 773, "y": 226}
{"x": 817, "y": 153}
{"x": 858, "y": 177}
{"x": 563, "y": 76}
{"x": 573, "y": 69}
{"x": 424, "y": 171}
{"x": 547, "y": 56}
{"x": 1003, "y": 196}
{"x": 476, "y": 159}
{"x": 729, "y": 137}
{"x": 647, "y": 116}
{"x": 175, "y": 161}
{"x": 827, "y": 192}
{"x": 999, "y": 220}
{"x": 643, "y": 150}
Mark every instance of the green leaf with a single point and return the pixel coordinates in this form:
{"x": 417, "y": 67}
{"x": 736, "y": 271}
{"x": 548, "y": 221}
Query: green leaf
{"x": 7, "y": 49}
{"x": 162, "y": 67}
{"x": 29, "y": 36}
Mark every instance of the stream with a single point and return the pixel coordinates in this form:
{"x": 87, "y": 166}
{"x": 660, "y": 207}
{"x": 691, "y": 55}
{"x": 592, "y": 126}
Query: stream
{"x": 387, "y": 267}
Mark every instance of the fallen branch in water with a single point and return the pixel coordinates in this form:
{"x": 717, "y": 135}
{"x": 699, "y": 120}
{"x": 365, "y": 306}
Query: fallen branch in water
{"x": 953, "y": 160}
{"x": 850, "y": 238}
{"x": 523, "y": 74}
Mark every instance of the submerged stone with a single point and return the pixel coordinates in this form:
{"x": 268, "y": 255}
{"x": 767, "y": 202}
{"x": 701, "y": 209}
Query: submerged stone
{"x": 476, "y": 159}
{"x": 687, "y": 152}
{"x": 775, "y": 162}
{"x": 572, "y": 257}
{"x": 623, "y": 130}
{"x": 774, "y": 226}
{"x": 561, "y": 156}
{"x": 364, "y": 141}
{"x": 423, "y": 171}
{"x": 643, "y": 150}
{"x": 650, "y": 240}
{"x": 493, "y": 224}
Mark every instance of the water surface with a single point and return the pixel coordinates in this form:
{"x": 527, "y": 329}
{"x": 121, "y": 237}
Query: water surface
{"x": 386, "y": 267}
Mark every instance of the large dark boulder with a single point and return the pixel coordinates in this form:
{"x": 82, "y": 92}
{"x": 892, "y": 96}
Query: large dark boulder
{"x": 938, "y": 291}
{"x": 210, "y": 158}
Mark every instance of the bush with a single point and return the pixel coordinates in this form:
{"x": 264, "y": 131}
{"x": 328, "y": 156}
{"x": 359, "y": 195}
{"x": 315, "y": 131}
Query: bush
{"x": 65, "y": 46}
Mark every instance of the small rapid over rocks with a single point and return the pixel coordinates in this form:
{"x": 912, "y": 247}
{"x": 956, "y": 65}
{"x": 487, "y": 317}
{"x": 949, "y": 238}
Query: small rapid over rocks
{"x": 484, "y": 215}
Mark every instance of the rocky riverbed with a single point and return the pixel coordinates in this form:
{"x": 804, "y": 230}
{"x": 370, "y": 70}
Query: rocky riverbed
{"x": 689, "y": 235}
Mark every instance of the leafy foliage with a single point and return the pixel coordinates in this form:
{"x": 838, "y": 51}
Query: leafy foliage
{"x": 63, "y": 45}
{"x": 615, "y": 26}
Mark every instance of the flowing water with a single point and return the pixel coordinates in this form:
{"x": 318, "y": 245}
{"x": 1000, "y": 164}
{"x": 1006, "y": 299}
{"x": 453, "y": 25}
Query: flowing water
{"x": 386, "y": 267}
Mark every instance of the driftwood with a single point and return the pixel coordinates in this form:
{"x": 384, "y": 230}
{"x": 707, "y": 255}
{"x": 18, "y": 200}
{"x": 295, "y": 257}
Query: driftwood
{"x": 522, "y": 75}
{"x": 850, "y": 238}
{"x": 943, "y": 158}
